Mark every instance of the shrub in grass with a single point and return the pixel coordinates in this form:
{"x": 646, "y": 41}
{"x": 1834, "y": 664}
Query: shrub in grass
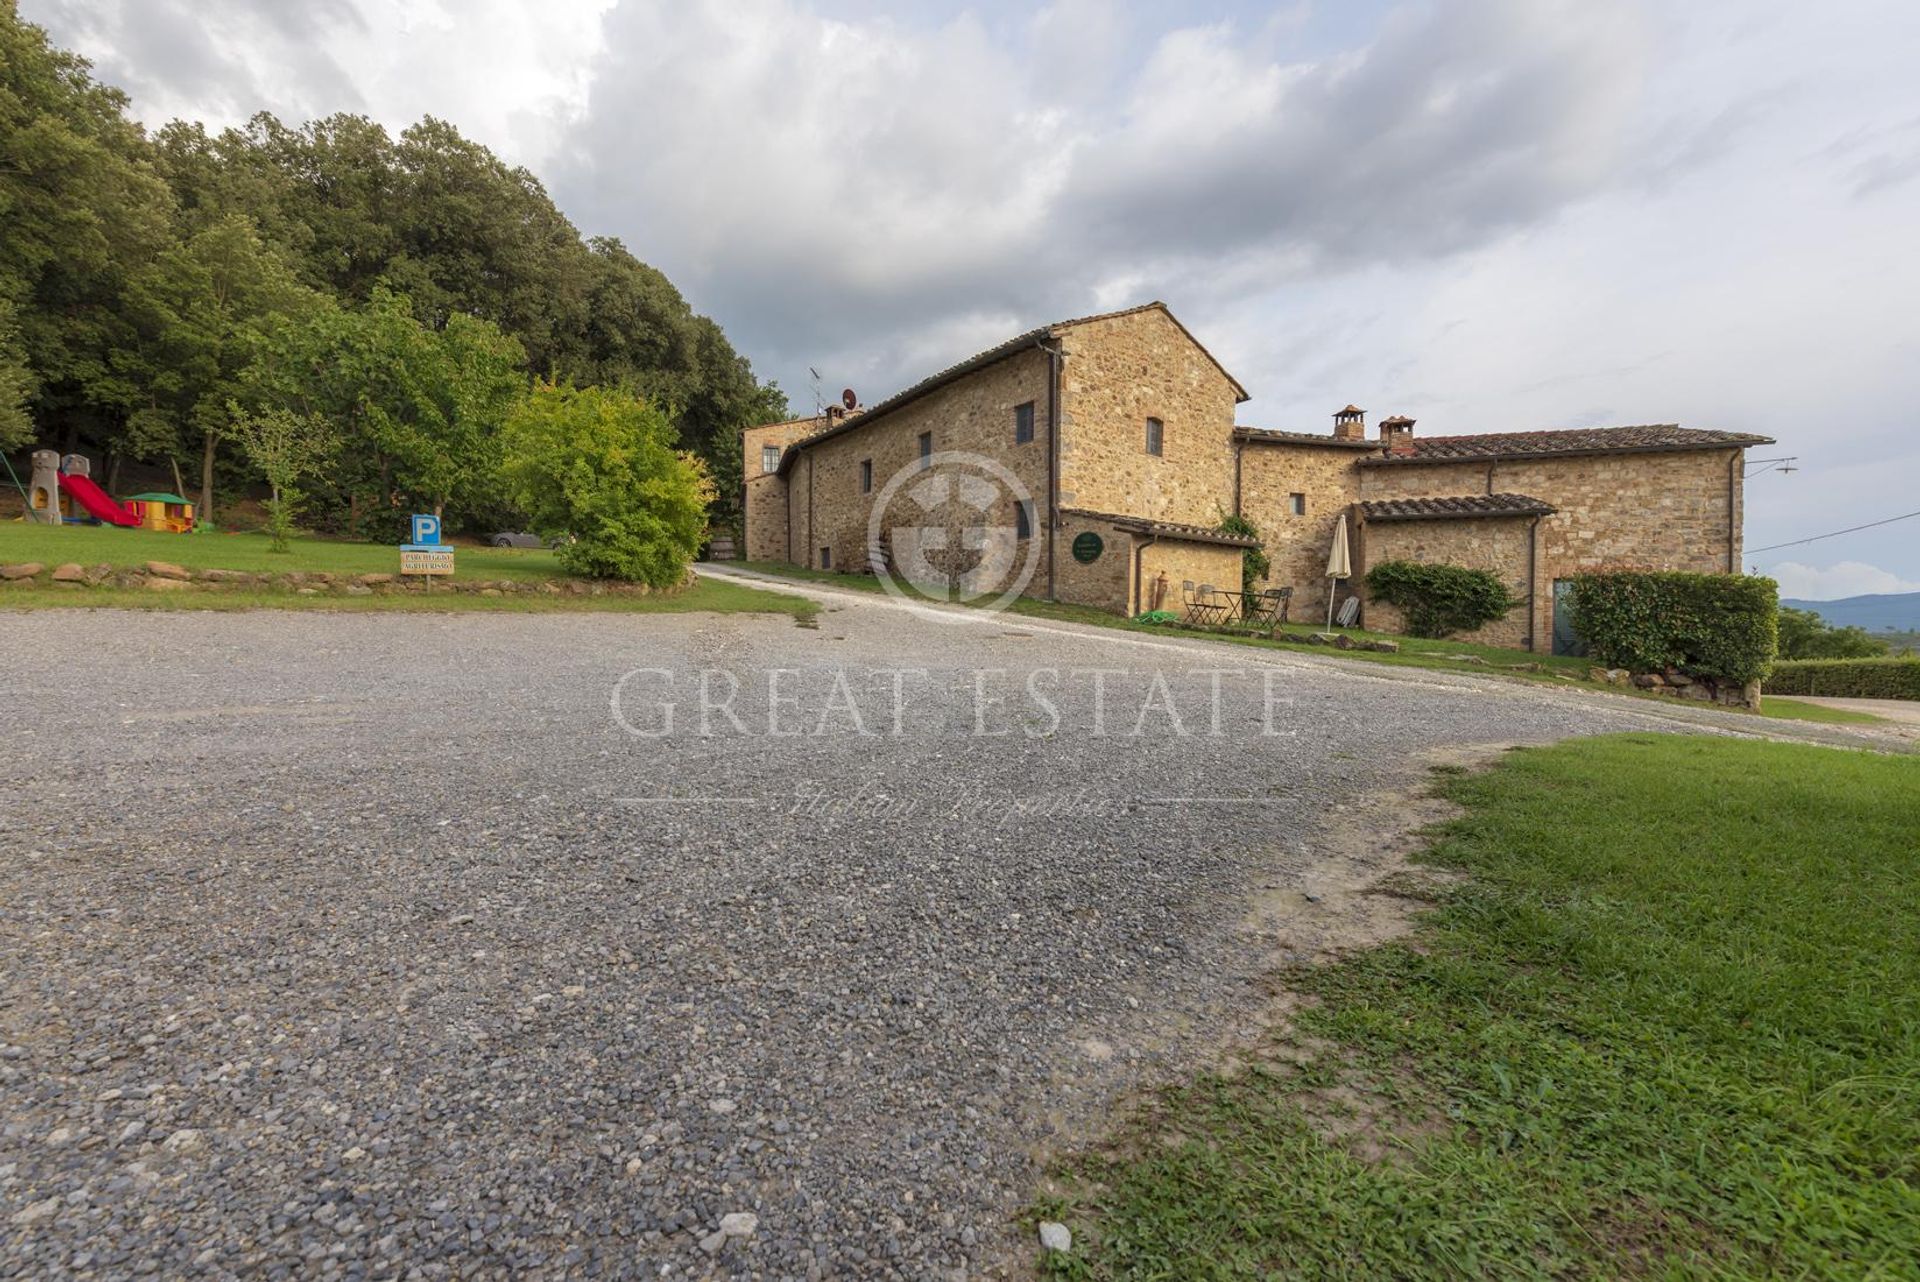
{"x": 600, "y": 465}
{"x": 1723, "y": 626}
{"x": 1885, "y": 678}
{"x": 1440, "y": 600}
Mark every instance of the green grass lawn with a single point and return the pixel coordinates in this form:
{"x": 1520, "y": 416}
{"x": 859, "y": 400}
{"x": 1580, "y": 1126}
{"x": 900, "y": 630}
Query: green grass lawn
{"x": 1775, "y": 705}
{"x": 94, "y": 544}
{"x": 707, "y": 596}
{"x": 1669, "y": 1026}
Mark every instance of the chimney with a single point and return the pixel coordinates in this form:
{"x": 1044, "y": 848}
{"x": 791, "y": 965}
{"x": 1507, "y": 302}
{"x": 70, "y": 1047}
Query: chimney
{"x": 1350, "y": 424}
{"x": 1396, "y": 433}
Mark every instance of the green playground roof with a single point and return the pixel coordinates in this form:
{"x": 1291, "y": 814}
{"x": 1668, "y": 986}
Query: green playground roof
{"x": 157, "y": 497}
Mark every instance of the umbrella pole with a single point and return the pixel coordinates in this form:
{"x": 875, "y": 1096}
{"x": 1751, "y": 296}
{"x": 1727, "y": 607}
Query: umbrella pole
{"x": 1333, "y": 585}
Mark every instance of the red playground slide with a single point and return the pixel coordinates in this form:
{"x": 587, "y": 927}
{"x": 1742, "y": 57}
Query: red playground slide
{"x": 95, "y": 500}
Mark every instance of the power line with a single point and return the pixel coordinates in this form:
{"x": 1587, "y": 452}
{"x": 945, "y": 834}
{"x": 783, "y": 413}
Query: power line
{"x": 1835, "y": 534}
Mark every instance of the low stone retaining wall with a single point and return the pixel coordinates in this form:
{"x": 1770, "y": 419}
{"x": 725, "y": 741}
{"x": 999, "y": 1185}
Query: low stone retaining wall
{"x": 163, "y": 576}
{"x": 1682, "y": 686}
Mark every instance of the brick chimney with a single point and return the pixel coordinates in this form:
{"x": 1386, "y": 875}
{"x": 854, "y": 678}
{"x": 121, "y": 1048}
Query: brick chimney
{"x": 1350, "y": 424}
{"x": 1396, "y": 433}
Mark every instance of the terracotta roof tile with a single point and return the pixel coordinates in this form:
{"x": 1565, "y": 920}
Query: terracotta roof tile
{"x": 1278, "y": 437}
{"x": 1177, "y": 530}
{"x": 1460, "y": 507}
{"x": 1646, "y": 439}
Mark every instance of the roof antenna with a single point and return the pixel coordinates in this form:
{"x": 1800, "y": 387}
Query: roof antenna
{"x": 819, "y": 404}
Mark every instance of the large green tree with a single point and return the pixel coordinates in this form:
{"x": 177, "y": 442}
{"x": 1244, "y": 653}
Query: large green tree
{"x": 80, "y": 208}
{"x": 196, "y": 316}
{"x": 1804, "y": 634}
{"x": 16, "y": 384}
{"x": 441, "y": 219}
{"x": 417, "y": 410}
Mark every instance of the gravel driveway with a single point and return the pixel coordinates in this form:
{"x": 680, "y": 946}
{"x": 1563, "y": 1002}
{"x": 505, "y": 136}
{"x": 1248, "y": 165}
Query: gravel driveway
{"x": 377, "y": 945}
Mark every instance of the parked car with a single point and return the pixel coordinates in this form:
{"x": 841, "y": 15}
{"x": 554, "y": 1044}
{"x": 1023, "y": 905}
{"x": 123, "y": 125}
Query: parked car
{"x": 522, "y": 539}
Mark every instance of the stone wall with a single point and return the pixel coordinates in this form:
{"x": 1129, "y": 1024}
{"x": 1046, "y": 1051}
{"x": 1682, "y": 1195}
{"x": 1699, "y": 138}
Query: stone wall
{"x": 1119, "y": 372}
{"x": 1115, "y": 373}
{"x": 974, "y": 414}
{"x": 1615, "y": 511}
{"x": 1297, "y": 546}
{"x": 1175, "y": 562}
{"x": 1106, "y": 582}
{"x": 1498, "y": 544}
{"x": 765, "y": 505}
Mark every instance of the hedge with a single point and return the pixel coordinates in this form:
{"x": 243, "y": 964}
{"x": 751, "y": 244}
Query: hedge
{"x": 1440, "y": 600}
{"x": 1884, "y": 678}
{"x": 1723, "y": 626}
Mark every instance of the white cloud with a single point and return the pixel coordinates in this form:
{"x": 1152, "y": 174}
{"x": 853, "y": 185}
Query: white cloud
{"x": 843, "y": 192}
{"x": 507, "y": 72}
{"x": 1848, "y": 578}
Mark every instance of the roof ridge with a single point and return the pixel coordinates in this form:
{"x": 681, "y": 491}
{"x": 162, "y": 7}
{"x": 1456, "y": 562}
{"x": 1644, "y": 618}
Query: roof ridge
{"x": 1641, "y": 438}
{"x": 1550, "y": 431}
{"x": 989, "y": 356}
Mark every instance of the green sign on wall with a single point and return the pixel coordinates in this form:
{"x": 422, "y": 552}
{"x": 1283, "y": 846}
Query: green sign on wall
{"x": 1087, "y": 547}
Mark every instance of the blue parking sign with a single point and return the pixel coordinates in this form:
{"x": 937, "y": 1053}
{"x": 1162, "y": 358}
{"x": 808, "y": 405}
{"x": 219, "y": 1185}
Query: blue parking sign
{"x": 426, "y": 529}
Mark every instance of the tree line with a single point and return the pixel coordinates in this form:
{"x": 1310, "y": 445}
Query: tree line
{"x": 161, "y": 291}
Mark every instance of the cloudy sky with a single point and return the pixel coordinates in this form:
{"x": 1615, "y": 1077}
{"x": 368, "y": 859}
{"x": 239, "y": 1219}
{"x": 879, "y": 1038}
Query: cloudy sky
{"x": 1488, "y": 214}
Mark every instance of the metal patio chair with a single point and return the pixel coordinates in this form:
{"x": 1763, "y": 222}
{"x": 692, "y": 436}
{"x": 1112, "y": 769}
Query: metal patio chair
{"x": 1190, "y": 603}
{"x": 1209, "y": 610}
{"x": 1269, "y": 608}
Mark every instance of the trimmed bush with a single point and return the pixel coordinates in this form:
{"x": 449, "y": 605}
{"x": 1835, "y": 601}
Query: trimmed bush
{"x": 1723, "y": 626}
{"x": 1440, "y": 600}
{"x": 599, "y": 465}
{"x": 1885, "y": 678}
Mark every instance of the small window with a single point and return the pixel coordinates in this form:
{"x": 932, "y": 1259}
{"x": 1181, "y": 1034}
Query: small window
{"x": 866, "y": 476}
{"x": 826, "y": 558}
{"x": 769, "y": 458}
{"x": 1156, "y": 432}
{"x": 926, "y": 445}
{"x": 1297, "y": 504}
{"x": 1023, "y": 520}
{"x": 1023, "y": 423}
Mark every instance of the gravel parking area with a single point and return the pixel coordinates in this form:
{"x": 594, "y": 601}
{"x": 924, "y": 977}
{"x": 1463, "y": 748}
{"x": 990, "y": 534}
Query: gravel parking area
{"x": 379, "y": 946}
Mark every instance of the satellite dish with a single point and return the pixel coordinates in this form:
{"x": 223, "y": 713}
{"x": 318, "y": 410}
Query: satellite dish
{"x": 848, "y": 399}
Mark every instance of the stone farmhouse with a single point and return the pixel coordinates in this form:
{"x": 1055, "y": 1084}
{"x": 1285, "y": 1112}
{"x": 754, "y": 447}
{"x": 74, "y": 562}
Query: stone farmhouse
{"x": 1118, "y": 456}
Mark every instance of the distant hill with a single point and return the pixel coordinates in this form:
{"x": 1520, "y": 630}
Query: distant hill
{"x": 1894, "y": 612}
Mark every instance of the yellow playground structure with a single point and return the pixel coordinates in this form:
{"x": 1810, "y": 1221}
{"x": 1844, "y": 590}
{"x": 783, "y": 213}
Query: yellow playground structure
{"x": 168, "y": 513}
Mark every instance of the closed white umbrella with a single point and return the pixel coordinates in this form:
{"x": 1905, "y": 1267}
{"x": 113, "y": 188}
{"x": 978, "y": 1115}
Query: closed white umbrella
{"x": 1339, "y": 565}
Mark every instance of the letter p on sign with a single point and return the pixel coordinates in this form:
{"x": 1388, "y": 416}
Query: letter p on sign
{"x": 426, "y": 529}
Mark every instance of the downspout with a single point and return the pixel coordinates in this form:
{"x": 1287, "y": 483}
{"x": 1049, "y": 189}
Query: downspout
{"x": 1533, "y": 585}
{"x": 1139, "y": 558}
{"x": 1053, "y": 458}
{"x": 1733, "y": 480}
{"x": 1238, "y": 446}
{"x": 810, "y": 531}
{"x": 1359, "y": 521}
